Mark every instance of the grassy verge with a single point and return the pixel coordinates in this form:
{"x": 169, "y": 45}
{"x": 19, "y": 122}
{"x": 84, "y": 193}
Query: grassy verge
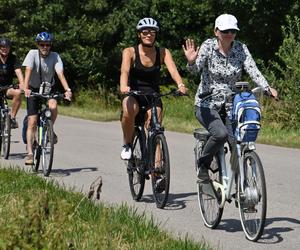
{"x": 38, "y": 214}
{"x": 178, "y": 116}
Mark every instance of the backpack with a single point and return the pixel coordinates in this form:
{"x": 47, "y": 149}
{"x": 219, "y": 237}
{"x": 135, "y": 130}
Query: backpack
{"x": 246, "y": 116}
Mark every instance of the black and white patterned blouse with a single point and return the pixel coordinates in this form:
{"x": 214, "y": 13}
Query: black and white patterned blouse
{"x": 219, "y": 71}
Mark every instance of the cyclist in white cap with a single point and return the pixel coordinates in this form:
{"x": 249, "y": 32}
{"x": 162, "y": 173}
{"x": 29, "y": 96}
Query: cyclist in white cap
{"x": 220, "y": 62}
{"x": 140, "y": 70}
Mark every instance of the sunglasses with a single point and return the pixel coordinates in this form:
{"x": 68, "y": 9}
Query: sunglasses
{"x": 46, "y": 45}
{"x": 148, "y": 32}
{"x": 232, "y": 31}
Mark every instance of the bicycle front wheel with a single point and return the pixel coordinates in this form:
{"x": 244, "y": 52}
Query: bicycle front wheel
{"x": 5, "y": 134}
{"x": 209, "y": 198}
{"x": 47, "y": 147}
{"x": 37, "y": 151}
{"x": 136, "y": 166}
{"x": 253, "y": 201}
{"x": 160, "y": 175}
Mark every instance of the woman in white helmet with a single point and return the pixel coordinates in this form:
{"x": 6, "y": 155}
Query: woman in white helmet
{"x": 220, "y": 62}
{"x": 140, "y": 70}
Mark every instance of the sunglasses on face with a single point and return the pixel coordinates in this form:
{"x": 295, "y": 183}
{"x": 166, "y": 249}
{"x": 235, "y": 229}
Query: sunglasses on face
{"x": 46, "y": 45}
{"x": 232, "y": 31}
{"x": 148, "y": 32}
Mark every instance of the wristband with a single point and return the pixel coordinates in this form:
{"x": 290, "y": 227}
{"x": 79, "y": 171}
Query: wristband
{"x": 181, "y": 85}
{"x": 68, "y": 90}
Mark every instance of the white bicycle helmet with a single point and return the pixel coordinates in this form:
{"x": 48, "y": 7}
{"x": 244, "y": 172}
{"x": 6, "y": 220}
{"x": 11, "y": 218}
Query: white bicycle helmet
{"x": 147, "y": 22}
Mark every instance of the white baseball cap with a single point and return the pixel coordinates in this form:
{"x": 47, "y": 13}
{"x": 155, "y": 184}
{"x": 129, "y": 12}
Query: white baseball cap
{"x": 226, "y": 22}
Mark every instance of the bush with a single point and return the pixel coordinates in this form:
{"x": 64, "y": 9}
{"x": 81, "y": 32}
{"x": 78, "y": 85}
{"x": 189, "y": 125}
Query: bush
{"x": 286, "y": 76}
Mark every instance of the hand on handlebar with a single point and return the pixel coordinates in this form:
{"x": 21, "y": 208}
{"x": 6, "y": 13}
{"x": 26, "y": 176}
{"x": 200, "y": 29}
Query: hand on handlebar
{"x": 273, "y": 93}
{"x": 68, "y": 95}
{"x": 124, "y": 89}
{"x": 27, "y": 92}
{"x": 182, "y": 89}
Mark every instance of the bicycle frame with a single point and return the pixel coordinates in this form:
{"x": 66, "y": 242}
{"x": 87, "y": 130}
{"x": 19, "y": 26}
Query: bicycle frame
{"x": 228, "y": 175}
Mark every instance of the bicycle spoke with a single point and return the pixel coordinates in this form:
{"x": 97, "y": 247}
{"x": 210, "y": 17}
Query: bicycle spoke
{"x": 252, "y": 203}
{"x": 208, "y": 202}
{"x": 135, "y": 168}
{"x": 161, "y": 172}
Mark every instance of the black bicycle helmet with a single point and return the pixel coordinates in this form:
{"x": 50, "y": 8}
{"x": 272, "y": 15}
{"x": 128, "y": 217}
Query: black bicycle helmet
{"x": 5, "y": 42}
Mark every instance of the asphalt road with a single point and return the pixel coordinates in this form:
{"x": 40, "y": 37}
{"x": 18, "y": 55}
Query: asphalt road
{"x": 88, "y": 149}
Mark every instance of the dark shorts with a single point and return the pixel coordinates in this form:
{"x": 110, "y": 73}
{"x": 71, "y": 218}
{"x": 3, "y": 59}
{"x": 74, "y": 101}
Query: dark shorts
{"x": 145, "y": 102}
{"x": 34, "y": 103}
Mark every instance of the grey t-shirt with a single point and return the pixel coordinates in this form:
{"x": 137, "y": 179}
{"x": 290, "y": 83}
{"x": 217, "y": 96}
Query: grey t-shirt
{"x": 49, "y": 65}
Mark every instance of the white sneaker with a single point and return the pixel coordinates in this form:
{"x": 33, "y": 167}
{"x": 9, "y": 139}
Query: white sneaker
{"x": 126, "y": 152}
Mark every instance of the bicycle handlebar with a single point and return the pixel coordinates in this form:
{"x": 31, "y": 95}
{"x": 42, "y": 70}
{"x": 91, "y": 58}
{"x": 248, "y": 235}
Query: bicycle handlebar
{"x": 49, "y": 96}
{"x": 174, "y": 92}
{"x": 3, "y": 88}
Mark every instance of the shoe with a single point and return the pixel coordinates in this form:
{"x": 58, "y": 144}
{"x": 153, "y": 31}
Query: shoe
{"x": 160, "y": 185}
{"x": 14, "y": 123}
{"x": 29, "y": 159}
{"x": 202, "y": 173}
{"x": 126, "y": 152}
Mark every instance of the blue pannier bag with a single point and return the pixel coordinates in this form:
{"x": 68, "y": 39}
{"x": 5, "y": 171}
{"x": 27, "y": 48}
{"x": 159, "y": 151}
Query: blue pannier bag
{"x": 246, "y": 116}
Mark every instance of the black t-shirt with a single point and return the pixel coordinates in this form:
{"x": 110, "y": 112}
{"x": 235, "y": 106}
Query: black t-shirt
{"x": 7, "y": 70}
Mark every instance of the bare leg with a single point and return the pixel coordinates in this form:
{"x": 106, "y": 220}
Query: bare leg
{"x": 53, "y": 107}
{"x": 130, "y": 110}
{"x": 16, "y": 102}
{"x": 32, "y": 122}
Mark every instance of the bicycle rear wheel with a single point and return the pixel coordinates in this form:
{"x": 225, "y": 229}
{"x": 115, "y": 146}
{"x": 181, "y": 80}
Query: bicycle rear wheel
{"x": 209, "y": 198}
{"x": 253, "y": 202}
{"x": 160, "y": 175}
{"x": 5, "y": 135}
{"x": 47, "y": 147}
{"x": 136, "y": 166}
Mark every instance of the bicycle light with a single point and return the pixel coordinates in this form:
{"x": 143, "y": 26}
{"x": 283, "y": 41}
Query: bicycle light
{"x": 48, "y": 113}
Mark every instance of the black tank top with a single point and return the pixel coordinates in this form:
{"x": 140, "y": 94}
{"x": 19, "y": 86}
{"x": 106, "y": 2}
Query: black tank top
{"x": 145, "y": 78}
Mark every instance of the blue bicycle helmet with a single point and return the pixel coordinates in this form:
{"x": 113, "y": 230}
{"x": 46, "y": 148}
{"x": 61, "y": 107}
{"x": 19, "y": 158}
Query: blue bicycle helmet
{"x": 5, "y": 42}
{"x": 44, "y": 37}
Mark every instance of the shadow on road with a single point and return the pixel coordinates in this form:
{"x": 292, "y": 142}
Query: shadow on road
{"x": 271, "y": 235}
{"x": 67, "y": 171}
{"x": 175, "y": 201}
{"x": 18, "y": 156}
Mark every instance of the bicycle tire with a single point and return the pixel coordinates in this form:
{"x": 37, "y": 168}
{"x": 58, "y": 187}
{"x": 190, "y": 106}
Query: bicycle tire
{"x": 160, "y": 176}
{"x": 136, "y": 166}
{"x": 5, "y": 135}
{"x": 253, "y": 203}
{"x": 47, "y": 147}
{"x": 37, "y": 151}
{"x": 209, "y": 202}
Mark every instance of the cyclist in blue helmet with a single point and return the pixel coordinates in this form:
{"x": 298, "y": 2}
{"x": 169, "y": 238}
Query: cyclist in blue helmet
{"x": 9, "y": 67}
{"x": 41, "y": 66}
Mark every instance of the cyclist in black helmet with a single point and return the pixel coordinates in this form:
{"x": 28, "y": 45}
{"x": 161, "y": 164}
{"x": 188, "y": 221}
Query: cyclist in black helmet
{"x": 9, "y": 66}
{"x": 41, "y": 65}
{"x": 140, "y": 70}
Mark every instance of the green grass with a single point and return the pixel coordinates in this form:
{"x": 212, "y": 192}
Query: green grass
{"x": 38, "y": 214}
{"x": 178, "y": 116}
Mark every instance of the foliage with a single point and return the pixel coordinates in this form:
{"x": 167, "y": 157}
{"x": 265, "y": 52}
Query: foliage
{"x": 286, "y": 76}
{"x": 90, "y": 35}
